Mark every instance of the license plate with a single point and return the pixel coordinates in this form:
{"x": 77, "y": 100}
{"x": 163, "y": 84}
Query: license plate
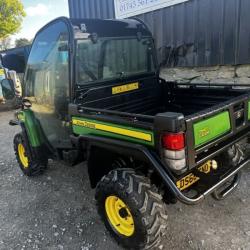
{"x": 190, "y": 179}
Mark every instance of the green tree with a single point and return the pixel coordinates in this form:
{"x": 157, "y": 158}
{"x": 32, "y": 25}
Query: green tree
{"x": 11, "y": 17}
{"x": 5, "y": 43}
{"x": 22, "y": 42}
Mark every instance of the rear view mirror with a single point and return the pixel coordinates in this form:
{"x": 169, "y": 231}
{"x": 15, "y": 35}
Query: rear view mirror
{"x": 8, "y": 89}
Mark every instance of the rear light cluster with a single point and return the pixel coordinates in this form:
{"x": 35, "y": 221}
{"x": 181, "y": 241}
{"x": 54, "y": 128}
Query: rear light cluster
{"x": 174, "y": 151}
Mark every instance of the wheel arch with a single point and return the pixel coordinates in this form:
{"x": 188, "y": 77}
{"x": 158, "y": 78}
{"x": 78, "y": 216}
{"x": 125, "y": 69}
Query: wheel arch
{"x": 103, "y": 158}
{"x": 101, "y": 154}
{"x": 35, "y": 139}
{"x": 40, "y": 152}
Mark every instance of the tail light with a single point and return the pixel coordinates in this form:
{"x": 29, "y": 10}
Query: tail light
{"x": 173, "y": 141}
{"x": 174, "y": 151}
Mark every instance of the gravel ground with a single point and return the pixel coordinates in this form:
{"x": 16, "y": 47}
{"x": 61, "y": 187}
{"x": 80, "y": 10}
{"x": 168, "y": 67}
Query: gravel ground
{"x": 57, "y": 210}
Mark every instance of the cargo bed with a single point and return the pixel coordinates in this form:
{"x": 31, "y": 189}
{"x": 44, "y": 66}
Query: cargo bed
{"x": 220, "y": 109}
{"x": 153, "y": 98}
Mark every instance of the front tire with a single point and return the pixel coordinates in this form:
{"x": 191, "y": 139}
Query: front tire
{"x": 28, "y": 165}
{"x": 132, "y": 210}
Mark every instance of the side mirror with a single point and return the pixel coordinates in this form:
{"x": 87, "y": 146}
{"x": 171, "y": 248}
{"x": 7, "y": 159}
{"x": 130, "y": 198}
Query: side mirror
{"x": 8, "y": 89}
{"x": 26, "y": 103}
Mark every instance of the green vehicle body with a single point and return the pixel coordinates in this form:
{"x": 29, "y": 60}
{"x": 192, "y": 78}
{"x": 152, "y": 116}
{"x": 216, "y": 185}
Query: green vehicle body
{"x": 94, "y": 127}
{"x": 211, "y": 128}
{"x": 35, "y": 135}
{"x": 204, "y": 131}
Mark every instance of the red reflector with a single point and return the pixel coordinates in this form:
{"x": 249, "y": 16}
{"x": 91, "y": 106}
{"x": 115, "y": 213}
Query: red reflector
{"x": 173, "y": 141}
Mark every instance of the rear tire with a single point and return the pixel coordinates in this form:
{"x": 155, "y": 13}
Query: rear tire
{"x": 141, "y": 200}
{"x": 28, "y": 165}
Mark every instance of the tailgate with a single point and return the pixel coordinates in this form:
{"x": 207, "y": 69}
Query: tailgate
{"x": 213, "y": 130}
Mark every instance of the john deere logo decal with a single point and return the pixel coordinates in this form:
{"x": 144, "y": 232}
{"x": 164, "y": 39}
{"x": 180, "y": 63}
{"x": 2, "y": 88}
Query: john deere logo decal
{"x": 146, "y": 136}
{"x": 204, "y": 132}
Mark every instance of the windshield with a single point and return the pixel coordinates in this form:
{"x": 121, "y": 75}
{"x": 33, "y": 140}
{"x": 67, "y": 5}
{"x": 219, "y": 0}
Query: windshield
{"x": 109, "y": 59}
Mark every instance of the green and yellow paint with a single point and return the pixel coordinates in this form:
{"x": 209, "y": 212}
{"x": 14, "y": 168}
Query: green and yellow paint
{"x": 82, "y": 126}
{"x": 32, "y": 127}
{"x": 211, "y": 128}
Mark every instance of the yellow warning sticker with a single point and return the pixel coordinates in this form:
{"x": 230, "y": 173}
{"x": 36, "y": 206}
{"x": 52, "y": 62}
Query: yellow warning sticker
{"x": 125, "y": 88}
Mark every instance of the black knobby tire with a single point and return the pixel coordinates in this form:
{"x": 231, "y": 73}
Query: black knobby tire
{"x": 35, "y": 167}
{"x": 145, "y": 204}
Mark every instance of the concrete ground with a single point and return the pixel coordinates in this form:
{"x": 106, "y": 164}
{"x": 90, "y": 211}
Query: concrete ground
{"x": 57, "y": 210}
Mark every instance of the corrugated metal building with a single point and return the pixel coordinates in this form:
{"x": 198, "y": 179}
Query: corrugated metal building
{"x": 192, "y": 33}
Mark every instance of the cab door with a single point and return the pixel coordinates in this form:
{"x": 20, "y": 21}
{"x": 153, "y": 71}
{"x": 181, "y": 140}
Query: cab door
{"x": 47, "y": 82}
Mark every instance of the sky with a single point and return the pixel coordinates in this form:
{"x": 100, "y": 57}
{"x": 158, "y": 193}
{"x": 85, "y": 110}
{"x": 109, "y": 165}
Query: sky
{"x": 38, "y": 13}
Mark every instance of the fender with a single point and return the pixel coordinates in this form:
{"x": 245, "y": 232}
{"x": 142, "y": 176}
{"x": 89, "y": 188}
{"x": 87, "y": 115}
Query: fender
{"x": 34, "y": 137}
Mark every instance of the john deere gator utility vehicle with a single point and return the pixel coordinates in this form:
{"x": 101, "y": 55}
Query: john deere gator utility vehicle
{"x": 93, "y": 92}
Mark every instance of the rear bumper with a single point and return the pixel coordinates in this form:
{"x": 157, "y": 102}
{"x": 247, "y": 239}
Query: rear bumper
{"x": 151, "y": 158}
{"x": 196, "y": 199}
{"x": 232, "y": 173}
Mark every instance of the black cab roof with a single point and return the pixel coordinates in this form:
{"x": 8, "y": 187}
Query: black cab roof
{"x": 103, "y": 27}
{"x": 111, "y": 28}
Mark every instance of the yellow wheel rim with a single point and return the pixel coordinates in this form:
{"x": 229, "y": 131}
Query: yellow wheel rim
{"x": 22, "y": 156}
{"x": 119, "y": 216}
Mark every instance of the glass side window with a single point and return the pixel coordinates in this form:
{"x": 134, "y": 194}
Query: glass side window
{"x": 47, "y": 81}
{"x": 47, "y": 74}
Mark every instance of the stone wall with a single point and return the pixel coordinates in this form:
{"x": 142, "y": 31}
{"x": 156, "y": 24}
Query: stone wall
{"x": 216, "y": 75}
